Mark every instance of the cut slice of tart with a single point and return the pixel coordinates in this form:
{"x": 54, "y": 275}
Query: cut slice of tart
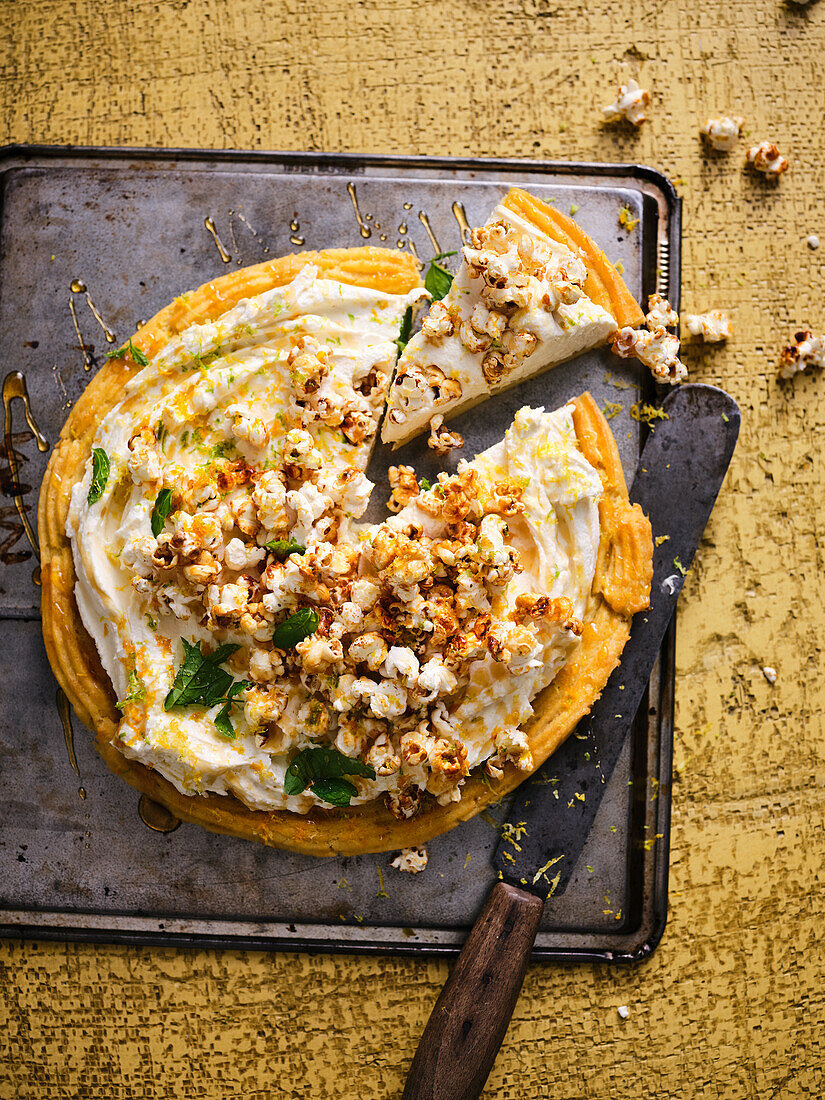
{"x": 532, "y": 291}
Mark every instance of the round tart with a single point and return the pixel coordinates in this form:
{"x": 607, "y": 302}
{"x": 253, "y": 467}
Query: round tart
{"x": 182, "y": 347}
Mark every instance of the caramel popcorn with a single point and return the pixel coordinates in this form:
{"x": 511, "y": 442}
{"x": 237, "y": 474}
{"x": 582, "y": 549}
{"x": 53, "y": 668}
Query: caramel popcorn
{"x": 630, "y": 104}
{"x": 806, "y": 351}
{"x": 713, "y": 327}
{"x": 766, "y": 158}
{"x": 723, "y": 132}
{"x": 413, "y": 860}
{"x": 441, "y": 440}
{"x": 403, "y": 486}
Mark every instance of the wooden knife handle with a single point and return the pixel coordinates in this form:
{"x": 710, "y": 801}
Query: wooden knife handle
{"x": 471, "y": 1015}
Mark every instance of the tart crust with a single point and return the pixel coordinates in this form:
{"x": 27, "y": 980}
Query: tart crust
{"x": 621, "y": 587}
{"x": 604, "y": 285}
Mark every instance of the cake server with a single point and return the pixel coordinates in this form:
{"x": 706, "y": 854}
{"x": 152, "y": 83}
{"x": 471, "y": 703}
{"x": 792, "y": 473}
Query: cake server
{"x": 680, "y": 472}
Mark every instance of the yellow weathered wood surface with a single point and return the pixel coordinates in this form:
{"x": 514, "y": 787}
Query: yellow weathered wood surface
{"x": 732, "y": 1004}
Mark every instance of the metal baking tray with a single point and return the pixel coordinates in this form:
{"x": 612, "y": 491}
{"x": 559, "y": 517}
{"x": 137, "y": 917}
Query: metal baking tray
{"x": 92, "y": 241}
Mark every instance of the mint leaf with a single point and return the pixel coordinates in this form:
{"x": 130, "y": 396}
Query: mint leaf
{"x": 438, "y": 281}
{"x": 223, "y": 723}
{"x": 313, "y": 767}
{"x": 406, "y": 329}
{"x": 200, "y": 679}
{"x": 137, "y": 355}
{"x": 100, "y": 474}
{"x": 161, "y": 510}
{"x": 287, "y": 634}
{"x": 140, "y": 357}
{"x": 282, "y": 548}
{"x": 338, "y": 792}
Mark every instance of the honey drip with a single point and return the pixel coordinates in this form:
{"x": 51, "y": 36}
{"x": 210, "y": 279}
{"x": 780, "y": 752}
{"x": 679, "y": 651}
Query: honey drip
{"x": 254, "y": 232}
{"x": 65, "y": 714}
{"x": 81, "y": 343}
{"x": 402, "y": 229}
{"x": 362, "y": 225}
{"x": 251, "y": 229}
{"x": 296, "y": 240}
{"x": 210, "y": 227}
{"x": 460, "y": 215}
{"x": 14, "y": 386}
{"x": 408, "y": 206}
{"x": 235, "y": 248}
{"x": 294, "y": 225}
{"x": 425, "y": 221}
{"x": 156, "y": 816}
{"x": 411, "y": 245}
{"x": 110, "y": 336}
{"x": 77, "y": 286}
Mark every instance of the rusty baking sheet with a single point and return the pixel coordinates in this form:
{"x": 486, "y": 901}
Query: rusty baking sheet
{"x": 92, "y": 241}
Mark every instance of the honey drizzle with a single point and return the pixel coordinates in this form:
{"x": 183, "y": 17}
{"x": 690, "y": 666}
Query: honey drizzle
{"x": 254, "y": 232}
{"x": 411, "y": 245}
{"x": 362, "y": 225}
{"x": 235, "y": 248}
{"x": 110, "y": 336}
{"x": 156, "y": 816}
{"x": 87, "y": 357}
{"x": 251, "y": 229}
{"x": 14, "y": 386}
{"x": 425, "y": 221}
{"x": 460, "y": 215}
{"x": 210, "y": 227}
{"x": 65, "y": 714}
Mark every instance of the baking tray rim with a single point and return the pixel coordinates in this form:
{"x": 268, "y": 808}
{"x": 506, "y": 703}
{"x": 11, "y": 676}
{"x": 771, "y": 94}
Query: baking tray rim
{"x": 353, "y": 162}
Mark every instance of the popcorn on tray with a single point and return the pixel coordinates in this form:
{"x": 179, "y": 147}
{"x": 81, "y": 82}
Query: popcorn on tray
{"x": 657, "y": 348}
{"x": 413, "y": 860}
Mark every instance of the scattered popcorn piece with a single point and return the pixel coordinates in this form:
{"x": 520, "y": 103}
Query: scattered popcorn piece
{"x": 813, "y": 242}
{"x": 766, "y": 158}
{"x": 723, "y": 132}
{"x": 770, "y": 674}
{"x": 657, "y": 348}
{"x": 630, "y": 104}
{"x": 660, "y": 313}
{"x": 413, "y": 860}
{"x": 623, "y": 1011}
{"x": 441, "y": 440}
{"x": 807, "y": 351}
{"x": 713, "y": 327}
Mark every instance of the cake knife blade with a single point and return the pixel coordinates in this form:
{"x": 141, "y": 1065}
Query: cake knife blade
{"x": 681, "y": 470}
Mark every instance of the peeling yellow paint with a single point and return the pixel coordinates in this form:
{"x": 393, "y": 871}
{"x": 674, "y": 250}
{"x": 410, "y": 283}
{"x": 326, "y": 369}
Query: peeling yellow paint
{"x": 733, "y": 1003}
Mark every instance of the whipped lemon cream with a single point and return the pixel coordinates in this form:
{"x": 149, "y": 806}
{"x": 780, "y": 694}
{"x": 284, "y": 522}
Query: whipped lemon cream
{"x": 261, "y": 641}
